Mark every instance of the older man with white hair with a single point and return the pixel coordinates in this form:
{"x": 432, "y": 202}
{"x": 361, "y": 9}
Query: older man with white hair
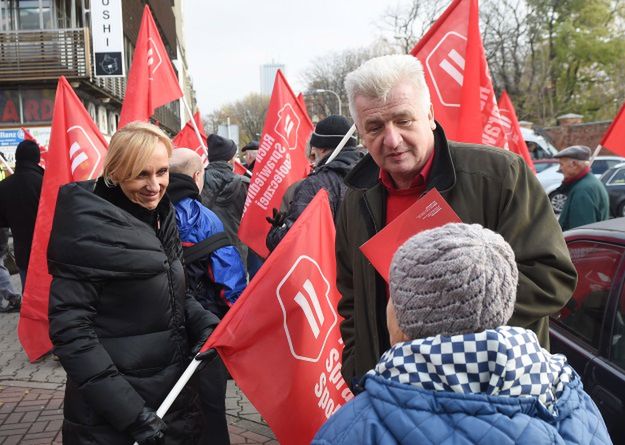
{"x": 409, "y": 155}
{"x": 587, "y": 199}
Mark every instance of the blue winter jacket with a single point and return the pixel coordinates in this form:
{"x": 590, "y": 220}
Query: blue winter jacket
{"x": 196, "y": 223}
{"x": 394, "y": 413}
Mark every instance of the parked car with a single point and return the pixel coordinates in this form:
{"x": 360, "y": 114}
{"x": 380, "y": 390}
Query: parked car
{"x": 614, "y": 181}
{"x": 590, "y": 329}
{"x": 551, "y": 178}
{"x": 538, "y": 145}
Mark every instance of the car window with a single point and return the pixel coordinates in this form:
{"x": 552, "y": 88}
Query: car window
{"x": 596, "y": 264}
{"x": 618, "y": 177}
{"x": 599, "y": 166}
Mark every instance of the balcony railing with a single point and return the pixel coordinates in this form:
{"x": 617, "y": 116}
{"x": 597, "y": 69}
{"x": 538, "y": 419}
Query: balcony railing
{"x": 44, "y": 54}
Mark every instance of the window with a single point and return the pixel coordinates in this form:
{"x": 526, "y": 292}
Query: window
{"x": 596, "y": 264}
{"x": 618, "y": 177}
{"x": 617, "y": 348}
{"x": 599, "y": 166}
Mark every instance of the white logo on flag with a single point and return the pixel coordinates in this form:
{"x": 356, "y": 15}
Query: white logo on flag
{"x": 314, "y": 319}
{"x": 309, "y": 317}
{"x": 444, "y": 62}
{"x": 287, "y": 126}
{"x": 82, "y": 150}
{"x": 154, "y": 58}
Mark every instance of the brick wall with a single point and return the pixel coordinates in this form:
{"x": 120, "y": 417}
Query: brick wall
{"x": 589, "y": 134}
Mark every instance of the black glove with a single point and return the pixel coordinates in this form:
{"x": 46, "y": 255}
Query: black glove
{"x": 148, "y": 428}
{"x": 278, "y": 218}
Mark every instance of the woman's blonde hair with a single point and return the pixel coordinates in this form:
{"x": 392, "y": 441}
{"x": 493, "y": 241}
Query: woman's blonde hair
{"x": 129, "y": 151}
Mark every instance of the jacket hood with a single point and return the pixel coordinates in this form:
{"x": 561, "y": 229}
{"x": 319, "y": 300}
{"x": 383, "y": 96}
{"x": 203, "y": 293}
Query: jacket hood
{"x": 181, "y": 186}
{"x": 365, "y": 173}
{"x": 92, "y": 238}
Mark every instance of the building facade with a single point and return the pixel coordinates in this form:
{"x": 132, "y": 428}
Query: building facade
{"x": 41, "y": 40}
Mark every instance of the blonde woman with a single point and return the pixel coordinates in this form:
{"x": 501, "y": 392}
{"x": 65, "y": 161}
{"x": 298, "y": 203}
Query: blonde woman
{"x": 120, "y": 321}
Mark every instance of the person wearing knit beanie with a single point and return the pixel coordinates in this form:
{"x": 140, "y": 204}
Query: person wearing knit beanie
{"x": 327, "y": 135}
{"x": 452, "y": 280}
{"x": 456, "y": 372}
{"x": 27, "y": 151}
{"x": 220, "y": 148}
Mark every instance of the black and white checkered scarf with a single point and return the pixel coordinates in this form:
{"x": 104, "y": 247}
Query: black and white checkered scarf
{"x": 507, "y": 361}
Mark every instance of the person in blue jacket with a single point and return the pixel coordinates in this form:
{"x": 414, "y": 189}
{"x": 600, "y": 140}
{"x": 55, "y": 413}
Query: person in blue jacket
{"x": 215, "y": 276}
{"x": 456, "y": 374}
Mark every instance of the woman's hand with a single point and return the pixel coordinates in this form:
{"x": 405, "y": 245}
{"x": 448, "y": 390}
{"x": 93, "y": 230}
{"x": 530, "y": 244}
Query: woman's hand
{"x": 148, "y": 429}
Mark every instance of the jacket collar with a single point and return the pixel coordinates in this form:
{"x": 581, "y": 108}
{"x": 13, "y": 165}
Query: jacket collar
{"x": 21, "y": 166}
{"x": 365, "y": 174}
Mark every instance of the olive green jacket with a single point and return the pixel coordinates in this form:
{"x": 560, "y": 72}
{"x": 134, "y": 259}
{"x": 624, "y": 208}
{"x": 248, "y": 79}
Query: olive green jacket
{"x": 487, "y": 186}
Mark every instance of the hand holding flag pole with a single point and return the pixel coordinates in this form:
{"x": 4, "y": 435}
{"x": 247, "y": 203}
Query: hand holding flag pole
{"x": 9, "y": 169}
{"x": 182, "y": 381}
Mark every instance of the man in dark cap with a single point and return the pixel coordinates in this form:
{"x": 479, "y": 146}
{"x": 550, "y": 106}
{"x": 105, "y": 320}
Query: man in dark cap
{"x": 224, "y": 192}
{"x": 250, "y": 150}
{"x": 587, "y": 199}
{"x": 19, "y": 200}
{"x": 326, "y": 175}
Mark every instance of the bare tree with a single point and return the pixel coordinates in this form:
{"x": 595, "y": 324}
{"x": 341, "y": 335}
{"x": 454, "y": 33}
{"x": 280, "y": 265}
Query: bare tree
{"x": 328, "y": 73}
{"x": 248, "y": 113}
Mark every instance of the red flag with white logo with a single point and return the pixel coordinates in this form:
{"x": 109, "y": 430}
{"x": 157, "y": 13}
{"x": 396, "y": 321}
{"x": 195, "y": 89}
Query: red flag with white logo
{"x": 43, "y": 151}
{"x": 281, "y": 340}
{"x": 280, "y": 162}
{"x": 614, "y": 138}
{"x": 187, "y": 138}
{"x": 152, "y": 81}
{"x": 511, "y": 126}
{"x": 75, "y": 153}
{"x": 457, "y": 75}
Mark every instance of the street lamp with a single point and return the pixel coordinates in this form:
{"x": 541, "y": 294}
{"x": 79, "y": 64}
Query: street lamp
{"x": 338, "y": 98}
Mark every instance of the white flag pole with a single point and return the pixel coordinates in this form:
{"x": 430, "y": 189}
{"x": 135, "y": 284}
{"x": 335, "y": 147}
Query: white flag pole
{"x": 177, "y": 389}
{"x": 595, "y": 153}
{"x": 339, "y": 147}
{"x": 197, "y": 130}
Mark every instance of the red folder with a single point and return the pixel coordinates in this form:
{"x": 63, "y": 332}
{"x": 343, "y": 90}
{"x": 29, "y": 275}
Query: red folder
{"x": 427, "y": 213}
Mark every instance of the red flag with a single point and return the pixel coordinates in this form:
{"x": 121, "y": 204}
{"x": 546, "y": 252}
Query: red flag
{"x": 511, "y": 126}
{"x": 43, "y": 151}
{"x": 187, "y": 138}
{"x": 152, "y": 81}
{"x": 240, "y": 169}
{"x": 281, "y": 161}
{"x": 76, "y": 153}
{"x": 284, "y": 330}
{"x": 614, "y": 138}
{"x": 457, "y": 75}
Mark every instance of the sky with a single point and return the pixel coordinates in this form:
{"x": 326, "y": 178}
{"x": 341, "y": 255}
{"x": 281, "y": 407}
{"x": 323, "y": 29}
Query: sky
{"x": 228, "y": 40}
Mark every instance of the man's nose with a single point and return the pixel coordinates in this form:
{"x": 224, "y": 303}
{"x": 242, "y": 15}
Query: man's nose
{"x": 392, "y": 138}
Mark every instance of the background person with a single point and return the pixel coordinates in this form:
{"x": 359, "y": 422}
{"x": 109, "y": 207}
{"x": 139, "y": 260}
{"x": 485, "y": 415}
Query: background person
{"x": 409, "y": 155}
{"x": 456, "y": 373}
{"x": 215, "y": 277}
{"x": 224, "y": 192}
{"x": 19, "y": 201}
{"x": 121, "y": 322}
{"x": 587, "y": 199}
{"x": 326, "y": 175}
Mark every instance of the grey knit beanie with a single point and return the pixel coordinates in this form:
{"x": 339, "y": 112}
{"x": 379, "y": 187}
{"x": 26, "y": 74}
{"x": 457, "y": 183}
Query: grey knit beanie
{"x": 452, "y": 280}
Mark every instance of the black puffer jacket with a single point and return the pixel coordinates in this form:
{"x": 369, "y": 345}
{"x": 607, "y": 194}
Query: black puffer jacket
{"x": 224, "y": 193}
{"x": 120, "y": 321}
{"x": 324, "y": 176}
{"x": 19, "y": 200}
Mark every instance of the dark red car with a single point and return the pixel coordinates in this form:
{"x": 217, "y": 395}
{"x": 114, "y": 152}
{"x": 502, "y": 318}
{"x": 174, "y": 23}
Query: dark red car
{"x": 590, "y": 330}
